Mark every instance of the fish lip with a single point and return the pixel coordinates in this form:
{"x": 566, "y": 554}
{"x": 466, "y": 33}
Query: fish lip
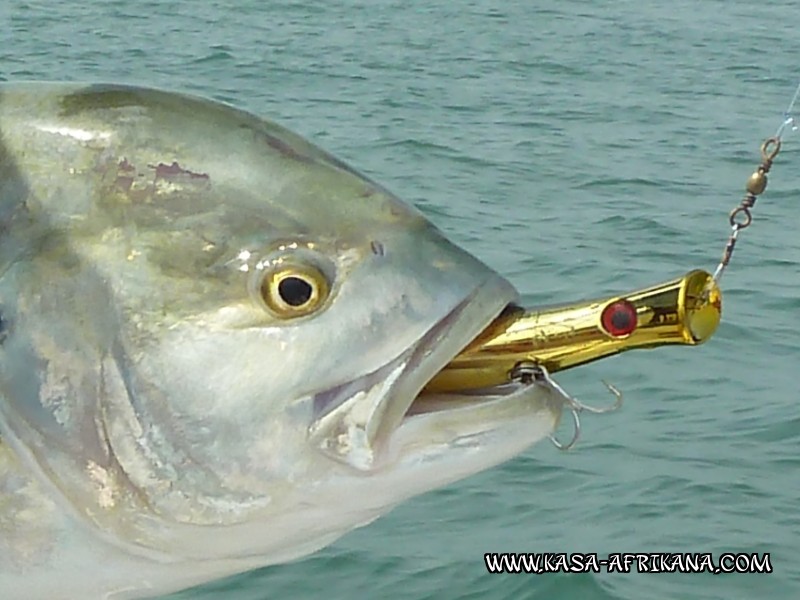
{"x": 354, "y": 421}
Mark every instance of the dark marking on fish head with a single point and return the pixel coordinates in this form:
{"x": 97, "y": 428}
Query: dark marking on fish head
{"x": 175, "y": 171}
{"x": 284, "y": 148}
{"x": 126, "y": 174}
{"x": 99, "y": 97}
{"x": 17, "y": 230}
{"x": 4, "y": 327}
{"x": 123, "y": 183}
{"x": 377, "y": 248}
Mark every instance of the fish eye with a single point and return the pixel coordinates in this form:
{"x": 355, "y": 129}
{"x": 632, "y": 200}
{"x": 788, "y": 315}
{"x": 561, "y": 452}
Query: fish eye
{"x": 292, "y": 290}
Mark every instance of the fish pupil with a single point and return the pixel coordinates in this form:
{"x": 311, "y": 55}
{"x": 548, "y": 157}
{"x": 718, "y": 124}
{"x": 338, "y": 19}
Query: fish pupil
{"x": 295, "y": 291}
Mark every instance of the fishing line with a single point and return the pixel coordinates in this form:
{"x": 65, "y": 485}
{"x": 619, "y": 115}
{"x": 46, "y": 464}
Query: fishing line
{"x": 741, "y": 217}
{"x": 788, "y": 119}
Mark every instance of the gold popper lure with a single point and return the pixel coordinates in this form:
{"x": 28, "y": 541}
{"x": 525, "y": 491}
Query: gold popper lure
{"x": 528, "y": 346}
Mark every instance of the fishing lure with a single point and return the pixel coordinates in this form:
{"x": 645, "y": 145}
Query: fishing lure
{"x": 528, "y": 346}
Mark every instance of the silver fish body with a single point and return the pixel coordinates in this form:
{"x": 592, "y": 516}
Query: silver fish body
{"x": 167, "y": 416}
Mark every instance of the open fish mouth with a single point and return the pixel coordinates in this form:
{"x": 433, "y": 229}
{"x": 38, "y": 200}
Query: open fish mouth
{"x": 354, "y": 421}
{"x": 466, "y": 360}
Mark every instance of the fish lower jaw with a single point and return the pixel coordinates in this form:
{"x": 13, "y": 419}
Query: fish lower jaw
{"x": 480, "y": 411}
{"x": 446, "y": 437}
{"x": 433, "y": 402}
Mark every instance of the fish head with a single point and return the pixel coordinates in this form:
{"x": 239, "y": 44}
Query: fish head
{"x": 219, "y": 335}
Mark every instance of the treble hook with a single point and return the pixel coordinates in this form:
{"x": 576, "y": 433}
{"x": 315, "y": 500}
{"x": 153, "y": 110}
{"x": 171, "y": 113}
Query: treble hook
{"x": 528, "y": 372}
{"x": 576, "y": 432}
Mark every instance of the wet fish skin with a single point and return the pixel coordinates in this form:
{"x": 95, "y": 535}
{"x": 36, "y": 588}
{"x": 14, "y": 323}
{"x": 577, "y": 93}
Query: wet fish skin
{"x": 159, "y": 427}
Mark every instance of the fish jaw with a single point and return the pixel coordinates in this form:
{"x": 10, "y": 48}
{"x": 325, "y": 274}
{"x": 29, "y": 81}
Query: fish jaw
{"x": 384, "y": 418}
{"x": 366, "y": 411}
